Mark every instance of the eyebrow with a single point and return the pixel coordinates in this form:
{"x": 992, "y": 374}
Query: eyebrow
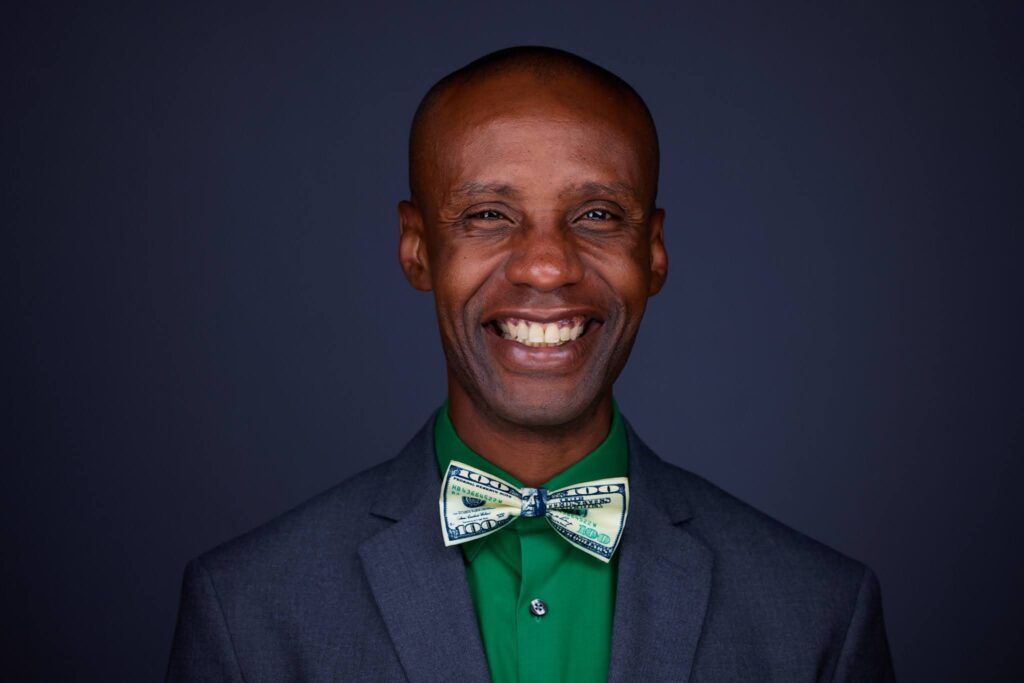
{"x": 619, "y": 189}
{"x": 472, "y": 189}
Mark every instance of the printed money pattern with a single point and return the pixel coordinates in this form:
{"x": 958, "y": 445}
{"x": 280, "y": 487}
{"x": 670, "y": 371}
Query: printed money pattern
{"x": 590, "y": 516}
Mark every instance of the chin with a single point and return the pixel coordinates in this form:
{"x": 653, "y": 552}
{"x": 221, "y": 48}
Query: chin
{"x": 539, "y": 410}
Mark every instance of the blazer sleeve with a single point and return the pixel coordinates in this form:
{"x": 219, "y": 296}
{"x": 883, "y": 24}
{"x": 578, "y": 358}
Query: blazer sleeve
{"x": 202, "y": 648}
{"x": 865, "y": 654}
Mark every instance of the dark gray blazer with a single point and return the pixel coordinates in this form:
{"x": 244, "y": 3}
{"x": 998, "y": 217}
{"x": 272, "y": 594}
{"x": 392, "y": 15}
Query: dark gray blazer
{"x": 356, "y": 585}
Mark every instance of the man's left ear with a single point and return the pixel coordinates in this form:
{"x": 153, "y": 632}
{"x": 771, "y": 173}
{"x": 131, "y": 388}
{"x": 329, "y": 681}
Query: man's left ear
{"x": 659, "y": 257}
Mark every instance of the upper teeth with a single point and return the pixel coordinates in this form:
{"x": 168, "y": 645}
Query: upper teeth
{"x": 541, "y": 334}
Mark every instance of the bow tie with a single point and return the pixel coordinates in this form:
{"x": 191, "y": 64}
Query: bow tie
{"x": 590, "y": 515}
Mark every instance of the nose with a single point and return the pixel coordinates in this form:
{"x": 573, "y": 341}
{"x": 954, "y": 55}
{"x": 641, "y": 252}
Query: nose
{"x": 545, "y": 258}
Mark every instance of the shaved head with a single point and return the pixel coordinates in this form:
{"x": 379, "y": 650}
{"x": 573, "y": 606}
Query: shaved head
{"x": 548, "y": 68}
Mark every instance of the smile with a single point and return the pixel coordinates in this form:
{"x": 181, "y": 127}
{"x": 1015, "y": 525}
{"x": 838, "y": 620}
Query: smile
{"x": 538, "y": 334}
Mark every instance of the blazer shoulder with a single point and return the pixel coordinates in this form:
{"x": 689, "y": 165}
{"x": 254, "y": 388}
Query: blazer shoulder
{"x": 320, "y": 537}
{"x": 290, "y": 599}
{"x": 330, "y": 523}
{"x": 743, "y": 537}
{"x": 781, "y": 603}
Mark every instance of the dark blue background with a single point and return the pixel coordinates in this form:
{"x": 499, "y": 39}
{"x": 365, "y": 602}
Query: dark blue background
{"x": 205, "y": 322}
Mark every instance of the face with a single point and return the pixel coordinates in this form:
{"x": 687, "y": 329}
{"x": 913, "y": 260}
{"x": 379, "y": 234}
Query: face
{"x": 537, "y": 234}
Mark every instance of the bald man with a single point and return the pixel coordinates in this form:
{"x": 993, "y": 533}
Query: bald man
{"x": 526, "y": 533}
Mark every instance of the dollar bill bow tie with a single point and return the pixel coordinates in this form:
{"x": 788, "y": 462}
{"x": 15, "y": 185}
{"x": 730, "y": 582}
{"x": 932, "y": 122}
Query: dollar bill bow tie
{"x": 590, "y": 515}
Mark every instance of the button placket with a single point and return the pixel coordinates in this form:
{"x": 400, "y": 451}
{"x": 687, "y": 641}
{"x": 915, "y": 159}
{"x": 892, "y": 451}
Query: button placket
{"x": 533, "y": 627}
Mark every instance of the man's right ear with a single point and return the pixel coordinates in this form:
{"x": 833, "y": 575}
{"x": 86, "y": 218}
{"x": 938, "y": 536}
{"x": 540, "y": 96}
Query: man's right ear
{"x": 412, "y": 246}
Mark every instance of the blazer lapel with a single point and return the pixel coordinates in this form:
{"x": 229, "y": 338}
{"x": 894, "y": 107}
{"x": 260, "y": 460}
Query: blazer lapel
{"x": 664, "y": 579}
{"x": 419, "y": 584}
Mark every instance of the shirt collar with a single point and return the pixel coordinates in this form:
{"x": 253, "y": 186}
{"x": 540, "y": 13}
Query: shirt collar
{"x": 609, "y": 459}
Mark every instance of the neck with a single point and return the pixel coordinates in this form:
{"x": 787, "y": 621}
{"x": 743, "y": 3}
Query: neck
{"x": 533, "y": 455}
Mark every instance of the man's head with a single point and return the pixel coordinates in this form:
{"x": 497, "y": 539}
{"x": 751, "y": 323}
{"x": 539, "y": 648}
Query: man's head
{"x": 533, "y": 176}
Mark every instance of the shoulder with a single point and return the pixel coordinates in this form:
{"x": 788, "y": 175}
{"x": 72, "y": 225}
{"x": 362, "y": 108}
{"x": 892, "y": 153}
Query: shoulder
{"x": 324, "y": 533}
{"x": 776, "y": 595}
{"x": 315, "y": 535}
{"x": 273, "y": 596}
{"x": 736, "y": 529}
{"x": 752, "y": 551}
{"x": 779, "y": 601}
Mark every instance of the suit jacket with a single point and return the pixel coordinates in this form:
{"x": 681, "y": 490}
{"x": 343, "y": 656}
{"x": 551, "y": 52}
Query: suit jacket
{"x": 356, "y": 585}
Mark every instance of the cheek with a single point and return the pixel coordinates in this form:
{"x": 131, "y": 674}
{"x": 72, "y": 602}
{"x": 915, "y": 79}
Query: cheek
{"x": 626, "y": 275}
{"x": 458, "y": 278}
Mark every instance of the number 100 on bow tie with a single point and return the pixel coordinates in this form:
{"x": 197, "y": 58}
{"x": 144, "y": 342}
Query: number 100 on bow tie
{"x": 590, "y": 515}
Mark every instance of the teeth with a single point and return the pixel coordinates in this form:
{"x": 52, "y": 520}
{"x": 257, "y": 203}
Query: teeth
{"x": 541, "y": 334}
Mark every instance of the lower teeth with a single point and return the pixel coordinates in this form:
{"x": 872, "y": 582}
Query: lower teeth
{"x": 538, "y": 344}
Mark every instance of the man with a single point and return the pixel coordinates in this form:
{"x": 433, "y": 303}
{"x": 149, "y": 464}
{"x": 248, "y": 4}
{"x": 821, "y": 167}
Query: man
{"x": 565, "y": 549}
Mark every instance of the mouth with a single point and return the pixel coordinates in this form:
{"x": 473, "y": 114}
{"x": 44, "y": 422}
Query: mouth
{"x": 541, "y": 334}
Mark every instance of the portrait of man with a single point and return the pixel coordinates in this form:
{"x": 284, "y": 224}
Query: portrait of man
{"x": 565, "y": 342}
{"x": 565, "y": 549}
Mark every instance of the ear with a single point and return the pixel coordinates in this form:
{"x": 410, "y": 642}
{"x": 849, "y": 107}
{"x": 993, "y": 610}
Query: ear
{"x": 659, "y": 257}
{"x": 412, "y": 246}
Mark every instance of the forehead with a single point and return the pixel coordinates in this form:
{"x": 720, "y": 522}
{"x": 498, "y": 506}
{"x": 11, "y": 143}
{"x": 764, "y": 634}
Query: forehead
{"x": 522, "y": 131}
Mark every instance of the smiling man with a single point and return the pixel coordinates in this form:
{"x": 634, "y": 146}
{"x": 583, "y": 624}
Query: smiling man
{"x": 526, "y": 533}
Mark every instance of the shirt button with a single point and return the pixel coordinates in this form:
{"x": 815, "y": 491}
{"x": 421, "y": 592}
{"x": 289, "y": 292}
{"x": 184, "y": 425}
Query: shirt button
{"x": 538, "y": 608}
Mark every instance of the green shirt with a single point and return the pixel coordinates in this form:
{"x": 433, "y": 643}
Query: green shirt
{"x": 527, "y": 560}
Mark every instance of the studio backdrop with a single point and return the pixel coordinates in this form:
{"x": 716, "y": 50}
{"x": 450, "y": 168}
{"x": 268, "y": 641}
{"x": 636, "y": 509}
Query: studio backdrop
{"x": 206, "y": 324}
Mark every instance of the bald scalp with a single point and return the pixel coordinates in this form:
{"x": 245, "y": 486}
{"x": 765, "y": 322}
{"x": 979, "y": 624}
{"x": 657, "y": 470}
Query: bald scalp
{"x": 546, "y": 65}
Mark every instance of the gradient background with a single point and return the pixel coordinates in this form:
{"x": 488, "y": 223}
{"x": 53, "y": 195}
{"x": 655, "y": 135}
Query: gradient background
{"x": 205, "y": 322}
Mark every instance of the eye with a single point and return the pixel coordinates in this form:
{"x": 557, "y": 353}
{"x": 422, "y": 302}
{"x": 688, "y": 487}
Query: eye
{"x": 597, "y": 215}
{"x": 488, "y": 215}
{"x": 598, "y": 220}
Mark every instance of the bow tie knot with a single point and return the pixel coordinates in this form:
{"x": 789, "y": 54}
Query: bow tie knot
{"x": 590, "y": 515}
{"x": 535, "y": 502}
